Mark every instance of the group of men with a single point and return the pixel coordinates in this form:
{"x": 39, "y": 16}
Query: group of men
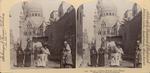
{"x": 109, "y": 55}
{"x": 37, "y": 56}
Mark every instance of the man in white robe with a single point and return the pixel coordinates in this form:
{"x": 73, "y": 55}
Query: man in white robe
{"x": 45, "y": 53}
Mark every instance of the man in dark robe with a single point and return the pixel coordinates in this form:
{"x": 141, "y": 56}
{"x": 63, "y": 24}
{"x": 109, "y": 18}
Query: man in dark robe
{"x": 93, "y": 54}
{"x": 20, "y": 56}
{"x": 28, "y": 53}
{"x": 27, "y": 57}
{"x": 102, "y": 52}
{"x": 101, "y": 57}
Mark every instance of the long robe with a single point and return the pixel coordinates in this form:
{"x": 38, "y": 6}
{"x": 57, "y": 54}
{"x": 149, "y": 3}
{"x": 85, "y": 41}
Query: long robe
{"x": 93, "y": 58}
{"x": 20, "y": 57}
{"x": 101, "y": 57}
{"x": 27, "y": 58}
{"x": 138, "y": 57}
{"x": 39, "y": 57}
{"x": 114, "y": 56}
{"x": 120, "y": 53}
{"x": 45, "y": 56}
{"x": 67, "y": 57}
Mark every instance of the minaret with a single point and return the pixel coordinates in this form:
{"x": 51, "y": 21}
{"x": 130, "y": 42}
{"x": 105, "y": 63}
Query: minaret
{"x": 96, "y": 18}
{"x": 24, "y": 8}
{"x": 21, "y": 21}
{"x": 97, "y": 26}
{"x": 99, "y": 8}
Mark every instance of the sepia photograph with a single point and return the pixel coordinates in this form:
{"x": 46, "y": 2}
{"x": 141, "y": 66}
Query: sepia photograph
{"x": 109, "y": 34}
{"x": 74, "y": 36}
{"x": 42, "y": 34}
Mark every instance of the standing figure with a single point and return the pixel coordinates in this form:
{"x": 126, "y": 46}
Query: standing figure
{"x": 35, "y": 55}
{"x": 113, "y": 54}
{"x": 39, "y": 54}
{"x": 39, "y": 57}
{"x": 27, "y": 60}
{"x": 28, "y": 53}
{"x": 107, "y": 53}
{"x": 45, "y": 53}
{"x": 67, "y": 56}
{"x": 101, "y": 57}
{"x": 138, "y": 57}
{"x": 63, "y": 58}
{"x": 120, "y": 53}
{"x": 93, "y": 54}
{"x": 36, "y": 51}
{"x": 20, "y": 56}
